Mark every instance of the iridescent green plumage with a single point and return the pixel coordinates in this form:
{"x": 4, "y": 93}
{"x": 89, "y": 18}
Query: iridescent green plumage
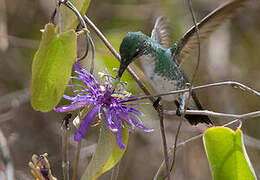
{"x": 161, "y": 63}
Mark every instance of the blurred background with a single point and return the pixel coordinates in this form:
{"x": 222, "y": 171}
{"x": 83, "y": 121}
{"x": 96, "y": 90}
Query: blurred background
{"x": 231, "y": 53}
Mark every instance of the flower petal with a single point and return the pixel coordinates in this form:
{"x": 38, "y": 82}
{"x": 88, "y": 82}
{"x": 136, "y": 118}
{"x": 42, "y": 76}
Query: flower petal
{"x": 119, "y": 140}
{"x": 86, "y": 122}
{"x": 140, "y": 126}
{"x": 133, "y": 110}
{"x": 108, "y": 120}
{"x": 85, "y": 75}
{"x": 79, "y": 86}
{"x": 77, "y": 66}
{"x": 118, "y": 133}
{"x": 68, "y": 97}
{"x": 134, "y": 123}
{"x": 71, "y": 107}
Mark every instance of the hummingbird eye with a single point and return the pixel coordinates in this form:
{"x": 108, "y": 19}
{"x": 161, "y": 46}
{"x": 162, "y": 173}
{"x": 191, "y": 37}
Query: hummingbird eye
{"x": 137, "y": 51}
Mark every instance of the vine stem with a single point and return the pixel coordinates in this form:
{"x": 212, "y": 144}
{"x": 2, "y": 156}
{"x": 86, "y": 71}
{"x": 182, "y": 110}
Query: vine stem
{"x": 117, "y": 56}
{"x": 165, "y": 150}
{"x": 65, "y": 147}
{"x": 218, "y": 114}
{"x": 115, "y": 172}
{"x": 192, "y": 81}
{"x": 76, "y": 162}
{"x": 225, "y": 83}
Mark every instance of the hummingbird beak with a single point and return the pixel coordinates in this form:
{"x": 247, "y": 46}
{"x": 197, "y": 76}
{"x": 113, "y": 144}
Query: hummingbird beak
{"x": 121, "y": 70}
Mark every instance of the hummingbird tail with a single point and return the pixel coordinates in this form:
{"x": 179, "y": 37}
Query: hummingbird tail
{"x": 195, "y": 119}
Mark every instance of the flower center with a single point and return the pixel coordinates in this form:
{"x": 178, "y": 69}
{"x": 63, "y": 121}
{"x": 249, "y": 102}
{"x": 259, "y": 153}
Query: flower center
{"x": 107, "y": 98}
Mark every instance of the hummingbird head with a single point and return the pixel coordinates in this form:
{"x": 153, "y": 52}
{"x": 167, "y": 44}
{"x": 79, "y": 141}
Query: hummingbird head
{"x": 132, "y": 47}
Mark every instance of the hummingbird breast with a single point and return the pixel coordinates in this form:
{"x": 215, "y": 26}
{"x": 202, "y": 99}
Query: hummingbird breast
{"x": 163, "y": 75}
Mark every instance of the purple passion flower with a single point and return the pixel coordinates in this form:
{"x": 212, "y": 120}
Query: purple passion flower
{"x": 103, "y": 101}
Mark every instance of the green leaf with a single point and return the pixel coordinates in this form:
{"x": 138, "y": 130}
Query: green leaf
{"x": 69, "y": 19}
{"x": 107, "y": 154}
{"x": 227, "y": 154}
{"x": 51, "y": 68}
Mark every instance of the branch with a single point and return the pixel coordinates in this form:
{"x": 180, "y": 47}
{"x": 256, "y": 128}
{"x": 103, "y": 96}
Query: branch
{"x": 115, "y": 172}
{"x": 14, "y": 99}
{"x": 65, "y": 146}
{"x": 76, "y": 162}
{"x": 217, "y": 114}
{"x": 165, "y": 149}
{"x": 21, "y": 42}
{"x": 117, "y": 56}
{"x": 191, "y": 84}
{"x": 68, "y": 4}
{"x": 11, "y": 101}
{"x": 230, "y": 83}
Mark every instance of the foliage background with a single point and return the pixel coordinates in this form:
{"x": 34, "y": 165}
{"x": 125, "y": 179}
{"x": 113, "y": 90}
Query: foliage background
{"x": 236, "y": 43}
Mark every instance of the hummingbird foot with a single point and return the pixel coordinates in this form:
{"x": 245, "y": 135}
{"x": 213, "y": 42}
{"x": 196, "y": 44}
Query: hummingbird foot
{"x": 178, "y": 110}
{"x": 193, "y": 119}
{"x": 157, "y": 102}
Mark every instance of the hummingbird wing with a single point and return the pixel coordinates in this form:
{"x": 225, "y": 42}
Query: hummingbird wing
{"x": 160, "y": 32}
{"x": 188, "y": 43}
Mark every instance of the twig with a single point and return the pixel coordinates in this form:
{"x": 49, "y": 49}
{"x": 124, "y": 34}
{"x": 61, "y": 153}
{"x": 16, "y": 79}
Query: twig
{"x": 68, "y": 4}
{"x": 200, "y": 135}
{"x": 191, "y": 84}
{"x": 22, "y": 42}
{"x": 117, "y": 56}
{"x": 115, "y": 171}
{"x": 76, "y": 162}
{"x": 253, "y": 142}
{"x": 225, "y": 115}
{"x": 165, "y": 149}
{"x": 175, "y": 142}
{"x": 59, "y": 18}
{"x": 198, "y": 38}
{"x": 102, "y": 37}
{"x": 13, "y": 100}
{"x": 65, "y": 147}
{"x": 4, "y": 150}
{"x": 231, "y": 83}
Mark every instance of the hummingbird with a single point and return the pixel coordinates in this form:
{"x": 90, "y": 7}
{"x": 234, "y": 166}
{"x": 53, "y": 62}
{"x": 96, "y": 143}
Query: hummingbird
{"x": 161, "y": 63}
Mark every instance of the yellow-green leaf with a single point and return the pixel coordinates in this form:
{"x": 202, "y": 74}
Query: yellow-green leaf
{"x": 227, "y": 154}
{"x": 69, "y": 19}
{"x": 51, "y": 68}
{"x": 107, "y": 154}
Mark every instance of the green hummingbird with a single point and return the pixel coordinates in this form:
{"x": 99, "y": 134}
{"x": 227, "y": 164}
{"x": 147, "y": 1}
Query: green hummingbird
{"x": 161, "y": 64}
